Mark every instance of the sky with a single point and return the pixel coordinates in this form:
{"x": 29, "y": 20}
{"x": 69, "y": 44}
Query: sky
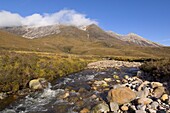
{"x": 147, "y": 18}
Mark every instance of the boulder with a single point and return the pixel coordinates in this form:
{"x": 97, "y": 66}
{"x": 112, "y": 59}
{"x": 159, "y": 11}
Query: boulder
{"x": 144, "y": 101}
{"x": 114, "y": 106}
{"x": 100, "y": 108}
{"x": 158, "y": 92}
{"x": 37, "y": 84}
{"x": 121, "y": 95}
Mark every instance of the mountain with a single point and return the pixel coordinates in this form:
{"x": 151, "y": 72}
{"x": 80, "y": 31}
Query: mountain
{"x": 88, "y": 40}
{"x": 132, "y": 38}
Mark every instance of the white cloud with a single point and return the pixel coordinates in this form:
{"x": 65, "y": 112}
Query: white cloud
{"x": 65, "y": 17}
{"x": 10, "y": 19}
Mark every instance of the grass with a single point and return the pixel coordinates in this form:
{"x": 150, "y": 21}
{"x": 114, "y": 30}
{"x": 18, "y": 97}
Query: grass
{"x": 158, "y": 70}
{"x": 17, "y": 69}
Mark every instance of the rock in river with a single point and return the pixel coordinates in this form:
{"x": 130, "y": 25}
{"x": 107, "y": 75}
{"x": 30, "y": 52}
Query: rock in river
{"x": 121, "y": 95}
{"x": 37, "y": 84}
{"x": 100, "y": 108}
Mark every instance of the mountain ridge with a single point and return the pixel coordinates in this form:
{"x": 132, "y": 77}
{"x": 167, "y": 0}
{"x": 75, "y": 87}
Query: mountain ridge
{"x": 92, "y": 31}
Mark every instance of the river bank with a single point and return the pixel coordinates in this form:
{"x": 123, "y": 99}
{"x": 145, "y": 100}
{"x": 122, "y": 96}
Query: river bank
{"x": 88, "y": 91}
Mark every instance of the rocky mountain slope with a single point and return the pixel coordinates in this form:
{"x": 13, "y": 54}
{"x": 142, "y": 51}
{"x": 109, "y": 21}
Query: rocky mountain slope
{"x": 132, "y": 38}
{"x": 90, "y": 40}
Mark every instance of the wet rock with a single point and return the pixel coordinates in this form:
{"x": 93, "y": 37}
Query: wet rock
{"x": 139, "y": 73}
{"x": 143, "y": 93}
{"x": 121, "y": 95}
{"x": 126, "y": 77}
{"x": 164, "y": 97}
{"x": 85, "y": 110}
{"x": 118, "y": 81}
{"x": 107, "y": 79}
{"x": 100, "y": 83}
{"x": 144, "y": 101}
{"x": 140, "y": 111}
{"x": 124, "y": 108}
{"x": 100, "y": 108}
{"x": 156, "y": 84}
{"x": 145, "y": 83}
{"x": 115, "y": 76}
{"x": 154, "y": 105}
{"x": 2, "y": 96}
{"x": 37, "y": 84}
{"x": 65, "y": 95}
{"x": 114, "y": 106}
{"x": 152, "y": 111}
{"x": 158, "y": 92}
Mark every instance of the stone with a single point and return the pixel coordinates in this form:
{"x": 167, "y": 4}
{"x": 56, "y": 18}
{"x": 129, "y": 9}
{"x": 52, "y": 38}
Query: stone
{"x": 107, "y": 79}
{"x": 85, "y": 110}
{"x": 121, "y": 95}
{"x": 152, "y": 111}
{"x": 141, "y": 107}
{"x": 100, "y": 83}
{"x": 126, "y": 77}
{"x": 158, "y": 92}
{"x": 65, "y": 95}
{"x": 139, "y": 73}
{"x": 114, "y": 106}
{"x": 164, "y": 97}
{"x": 124, "y": 108}
{"x": 2, "y": 96}
{"x": 145, "y": 83}
{"x": 140, "y": 111}
{"x": 118, "y": 81}
{"x": 37, "y": 84}
{"x": 100, "y": 108}
{"x": 143, "y": 93}
{"x": 115, "y": 76}
{"x": 133, "y": 107}
{"x": 144, "y": 101}
{"x": 154, "y": 105}
{"x": 156, "y": 84}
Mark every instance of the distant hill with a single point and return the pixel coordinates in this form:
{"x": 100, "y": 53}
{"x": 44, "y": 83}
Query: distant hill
{"x": 88, "y": 40}
{"x": 132, "y": 38}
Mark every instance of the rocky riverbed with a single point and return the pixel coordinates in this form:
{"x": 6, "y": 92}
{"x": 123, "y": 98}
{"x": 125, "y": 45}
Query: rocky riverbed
{"x": 104, "y": 87}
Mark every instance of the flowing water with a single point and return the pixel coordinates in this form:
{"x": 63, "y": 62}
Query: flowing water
{"x": 78, "y": 86}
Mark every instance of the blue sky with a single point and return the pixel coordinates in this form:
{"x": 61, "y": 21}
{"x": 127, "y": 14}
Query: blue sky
{"x": 148, "y": 18}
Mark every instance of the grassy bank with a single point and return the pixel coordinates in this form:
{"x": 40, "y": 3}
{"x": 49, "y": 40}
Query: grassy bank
{"x": 17, "y": 69}
{"x": 157, "y": 70}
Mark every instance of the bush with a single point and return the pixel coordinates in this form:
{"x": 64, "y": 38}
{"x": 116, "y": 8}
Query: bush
{"x": 159, "y": 70}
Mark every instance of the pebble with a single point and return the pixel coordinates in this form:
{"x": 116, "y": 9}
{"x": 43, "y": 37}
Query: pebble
{"x": 164, "y": 97}
{"x": 124, "y": 108}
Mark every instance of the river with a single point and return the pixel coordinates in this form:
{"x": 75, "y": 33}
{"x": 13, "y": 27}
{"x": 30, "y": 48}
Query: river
{"x": 70, "y": 94}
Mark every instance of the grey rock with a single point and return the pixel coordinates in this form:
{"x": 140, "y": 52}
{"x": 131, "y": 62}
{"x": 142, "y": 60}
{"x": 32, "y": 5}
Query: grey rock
{"x": 100, "y": 108}
{"x": 114, "y": 106}
{"x": 143, "y": 93}
{"x": 152, "y": 111}
{"x": 154, "y": 105}
{"x": 140, "y": 111}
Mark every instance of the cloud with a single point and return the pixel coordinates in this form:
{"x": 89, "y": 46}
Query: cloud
{"x": 64, "y": 17}
{"x": 10, "y": 19}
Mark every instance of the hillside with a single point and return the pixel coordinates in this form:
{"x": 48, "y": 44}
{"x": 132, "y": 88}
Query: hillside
{"x": 71, "y": 40}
